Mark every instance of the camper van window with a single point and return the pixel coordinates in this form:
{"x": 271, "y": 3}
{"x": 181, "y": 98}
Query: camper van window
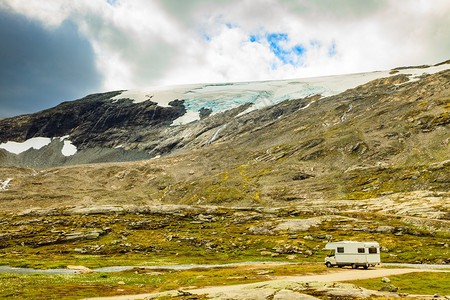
{"x": 360, "y": 250}
{"x": 373, "y": 250}
{"x": 340, "y": 249}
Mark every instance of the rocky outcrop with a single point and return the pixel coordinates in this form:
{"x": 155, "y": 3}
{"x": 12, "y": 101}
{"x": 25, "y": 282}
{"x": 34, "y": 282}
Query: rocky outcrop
{"x": 281, "y": 290}
{"x": 293, "y": 225}
{"x": 63, "y": 237}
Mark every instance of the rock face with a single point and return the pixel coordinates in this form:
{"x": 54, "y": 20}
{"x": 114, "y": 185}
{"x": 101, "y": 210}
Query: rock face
{"x": 94, "y": 123}
{"x": 89, "y": 120}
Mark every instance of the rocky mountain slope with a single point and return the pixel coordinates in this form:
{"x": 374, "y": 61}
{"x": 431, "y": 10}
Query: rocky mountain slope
{"x": 388, "y": 138}
{"x": 133, "y": 125}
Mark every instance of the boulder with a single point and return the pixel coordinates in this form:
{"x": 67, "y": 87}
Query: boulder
{"x": 80, "y": 235}
{"x": 82, "y": 269}
{"x": 389, "y": 288}
{"x": 287, "y": 249}
{"x": 296, "y": 225}
{"x": 91, "y": 210}
{"x": 385, "y": 229}
{"x": 385, "y": 280}
{"x": 263, "y": 229}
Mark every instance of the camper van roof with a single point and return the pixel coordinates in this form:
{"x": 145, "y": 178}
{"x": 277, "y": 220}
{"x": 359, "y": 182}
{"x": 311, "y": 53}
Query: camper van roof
{"x": 348, "y": 242}
{"x": 366, "y": 244}
{"x": 353, "y": 242}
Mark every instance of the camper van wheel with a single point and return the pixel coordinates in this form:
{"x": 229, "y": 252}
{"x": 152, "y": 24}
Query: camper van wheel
{"x": 354, "y": 266}
{"x": 328, "y": 264}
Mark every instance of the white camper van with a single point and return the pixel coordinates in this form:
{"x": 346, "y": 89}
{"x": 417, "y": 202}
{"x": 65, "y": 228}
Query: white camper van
{"x": 354, "y": 254}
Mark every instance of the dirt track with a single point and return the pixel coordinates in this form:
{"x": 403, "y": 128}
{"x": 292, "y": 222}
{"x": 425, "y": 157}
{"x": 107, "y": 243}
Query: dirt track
{"x": 333, "y": 276}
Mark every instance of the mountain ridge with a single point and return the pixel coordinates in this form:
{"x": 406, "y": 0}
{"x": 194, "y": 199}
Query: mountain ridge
{"x": 123, "y": 129}
{"x": 386, "y": 138}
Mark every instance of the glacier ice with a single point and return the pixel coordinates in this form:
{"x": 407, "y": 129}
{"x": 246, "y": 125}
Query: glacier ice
{"x": 224, "y": 96}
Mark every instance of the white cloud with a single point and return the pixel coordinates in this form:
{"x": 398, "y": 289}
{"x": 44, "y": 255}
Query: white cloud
{"x": 51, "y": 12}
{"x": 142, "y": 43}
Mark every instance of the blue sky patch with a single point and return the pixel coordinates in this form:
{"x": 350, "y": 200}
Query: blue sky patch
{"x": 332, "y": 49}
{"x": 254, "y": 38}
{"x": 206, "y": 37}
{"x": 111, "y": 2}
{"x": 229, "y": 25}
{"x": 286, "y": 54}
{"x": 274, "y": 40}
{"x": 299, "y": 50}
{"x": 273, "y": 65}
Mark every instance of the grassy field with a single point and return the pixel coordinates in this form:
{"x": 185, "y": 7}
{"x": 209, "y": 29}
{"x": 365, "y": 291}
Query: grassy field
{"x": 144, "y": 240}
{"x": 198, "y": 238}
{"x": 138, "y": 280}
{"x": 420, "y": 283}
{"x": 144, "y": 280}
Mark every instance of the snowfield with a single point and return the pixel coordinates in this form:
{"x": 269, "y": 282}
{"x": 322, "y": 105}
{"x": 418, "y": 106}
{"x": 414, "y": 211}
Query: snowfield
{"x": 37, "y": 143}
{"x": 68, "y": 149}
{"x": 224, "y": 96}
{"x": 17, "y": 148}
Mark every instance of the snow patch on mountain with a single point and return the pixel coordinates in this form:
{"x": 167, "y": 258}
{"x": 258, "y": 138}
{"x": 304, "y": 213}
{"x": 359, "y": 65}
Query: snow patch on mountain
{"x": 4, "y": 184}
{"x": 220, "y": 97}
{"x": 17, "y": 148}
{"x": 188, "y": 117}
{"x": 415, "y": 73}
{"x": 37, "y": 143}
{"x": 68, "y": 148}
{"x": 160, "y": 95}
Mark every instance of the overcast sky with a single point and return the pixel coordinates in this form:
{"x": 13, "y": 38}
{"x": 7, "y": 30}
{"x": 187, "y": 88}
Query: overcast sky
{"x": 57, "y": 50}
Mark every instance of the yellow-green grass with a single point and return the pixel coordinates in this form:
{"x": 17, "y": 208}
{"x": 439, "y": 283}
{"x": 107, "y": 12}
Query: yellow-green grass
{"x": 137, "y": 281}
{"x": 223, "y": 240}
{"x": 418, "y": 283}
